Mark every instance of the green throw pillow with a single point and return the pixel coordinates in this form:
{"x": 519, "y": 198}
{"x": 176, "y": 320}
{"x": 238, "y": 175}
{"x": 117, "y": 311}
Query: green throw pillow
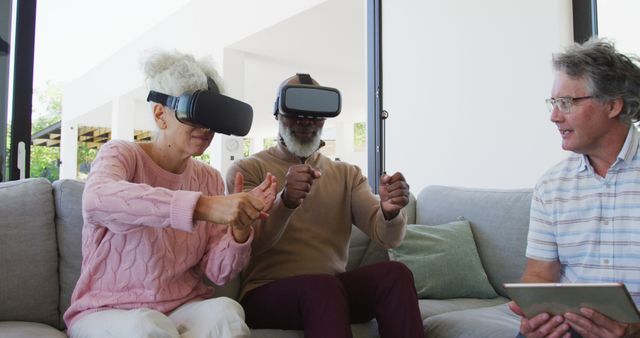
{"x": 444, "y": 261}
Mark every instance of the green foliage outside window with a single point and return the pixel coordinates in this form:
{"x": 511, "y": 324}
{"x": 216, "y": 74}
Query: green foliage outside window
{"x": 45, "y": 161}
{"x": 246, "y": 147}
{"x": 86, "y": 156}
{"x": 205, "y": 157}
{"x": 268, "y": 143}
{"x": 50, "y": 98}
{"x": 359, "y": 136}
{"x": 5, "y": 174}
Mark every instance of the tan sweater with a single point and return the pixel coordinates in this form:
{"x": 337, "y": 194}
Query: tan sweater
{"x": 313, "y": 238}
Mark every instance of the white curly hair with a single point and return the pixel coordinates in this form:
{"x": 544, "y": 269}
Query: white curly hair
{"x": 175, "y": 73}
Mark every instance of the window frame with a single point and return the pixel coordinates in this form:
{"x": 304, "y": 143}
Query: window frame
{"x": 585, "y": 20}
{"x": 375, "y": 122}
{"x": 5, "y": 54}
{"x": 22, "y": 84}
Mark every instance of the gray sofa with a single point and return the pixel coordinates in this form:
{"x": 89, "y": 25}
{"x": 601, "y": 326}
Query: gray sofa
{"x": 40, "y": 256}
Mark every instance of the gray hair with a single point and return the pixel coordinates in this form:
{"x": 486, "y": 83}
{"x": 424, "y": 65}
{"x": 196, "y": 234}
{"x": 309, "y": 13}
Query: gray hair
{"x": 609, "y": 74}
{"x": 175, "y": 73}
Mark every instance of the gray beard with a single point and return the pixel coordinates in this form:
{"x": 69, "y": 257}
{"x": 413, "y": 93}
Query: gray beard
{"x": 297, "y": 148}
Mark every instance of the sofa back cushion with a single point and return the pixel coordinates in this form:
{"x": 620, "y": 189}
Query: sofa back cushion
{"x": 499, "y": 222}
{"x": 28, "y": 253}
{"x": 449, "y": 252}
{"x": 68, "y": 203}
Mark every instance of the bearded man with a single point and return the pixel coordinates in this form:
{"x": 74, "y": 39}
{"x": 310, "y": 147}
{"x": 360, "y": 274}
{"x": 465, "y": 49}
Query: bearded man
{"x": 297, "y": 278}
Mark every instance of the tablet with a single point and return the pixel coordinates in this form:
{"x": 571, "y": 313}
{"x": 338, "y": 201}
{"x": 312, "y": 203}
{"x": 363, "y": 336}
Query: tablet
{"x": 611, "y": 299}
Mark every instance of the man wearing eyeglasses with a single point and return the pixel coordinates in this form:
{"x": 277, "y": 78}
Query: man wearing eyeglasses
{"x": 585, "y": 211}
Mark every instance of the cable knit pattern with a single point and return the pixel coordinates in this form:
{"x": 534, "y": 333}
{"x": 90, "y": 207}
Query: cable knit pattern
{"x": 140, "y": 244}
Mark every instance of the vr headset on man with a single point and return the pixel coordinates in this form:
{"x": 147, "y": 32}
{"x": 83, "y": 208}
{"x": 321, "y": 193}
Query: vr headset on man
{"x": 226, "y": 115}
{"x": 307, "y": 100}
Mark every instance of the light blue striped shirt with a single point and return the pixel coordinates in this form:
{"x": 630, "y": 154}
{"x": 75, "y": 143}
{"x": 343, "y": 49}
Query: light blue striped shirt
{"x": 590, "y": 224}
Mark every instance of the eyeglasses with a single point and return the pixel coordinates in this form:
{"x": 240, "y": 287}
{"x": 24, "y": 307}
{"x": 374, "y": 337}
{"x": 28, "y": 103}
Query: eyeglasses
{"x": 564, "y": 104}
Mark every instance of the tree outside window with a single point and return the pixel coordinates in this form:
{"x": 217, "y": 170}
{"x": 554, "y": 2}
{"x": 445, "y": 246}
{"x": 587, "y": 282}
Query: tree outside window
{"x": 359, "y": 136}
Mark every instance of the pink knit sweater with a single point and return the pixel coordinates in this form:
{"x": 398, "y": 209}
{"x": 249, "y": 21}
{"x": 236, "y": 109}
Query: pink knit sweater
{"x": 140, "y": 244}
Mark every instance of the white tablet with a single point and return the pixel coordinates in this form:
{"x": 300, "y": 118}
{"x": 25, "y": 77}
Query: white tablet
{"x": 610, "y": 299}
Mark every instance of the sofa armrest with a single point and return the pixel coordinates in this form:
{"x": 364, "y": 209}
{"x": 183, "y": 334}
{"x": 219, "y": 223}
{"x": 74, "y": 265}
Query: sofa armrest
{"x": 410, "y": 210}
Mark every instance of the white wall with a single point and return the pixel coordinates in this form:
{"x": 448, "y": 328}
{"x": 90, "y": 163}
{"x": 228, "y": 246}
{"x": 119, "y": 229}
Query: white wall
{"x": 615, "y": 20}
{"x": 465, "y": 83}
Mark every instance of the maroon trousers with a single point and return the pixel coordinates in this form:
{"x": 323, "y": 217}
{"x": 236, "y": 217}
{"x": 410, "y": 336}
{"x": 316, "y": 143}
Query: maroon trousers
{"x": 325, "y": 305}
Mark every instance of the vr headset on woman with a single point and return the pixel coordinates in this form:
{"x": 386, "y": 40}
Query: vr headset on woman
{"x": 209, "y": 109}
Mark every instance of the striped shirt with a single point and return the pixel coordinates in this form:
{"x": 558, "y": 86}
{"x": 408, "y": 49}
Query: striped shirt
{"x": 588, "y": 223}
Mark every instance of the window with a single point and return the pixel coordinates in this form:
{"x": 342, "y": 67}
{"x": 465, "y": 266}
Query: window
{"x": 105, "y": 99}
{"x": 615, "y": 19}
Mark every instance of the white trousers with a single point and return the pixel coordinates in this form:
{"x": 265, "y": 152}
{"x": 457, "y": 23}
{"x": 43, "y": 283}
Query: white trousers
{"x": 212, "y": 318}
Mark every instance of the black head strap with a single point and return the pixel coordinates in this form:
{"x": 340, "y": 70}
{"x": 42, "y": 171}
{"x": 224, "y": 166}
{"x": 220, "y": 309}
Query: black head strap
{"x": 304, "y": 78}
{"x": 170, "y": 101}
{"x": 212, "y": 86}
{"x": 163, "y": 99}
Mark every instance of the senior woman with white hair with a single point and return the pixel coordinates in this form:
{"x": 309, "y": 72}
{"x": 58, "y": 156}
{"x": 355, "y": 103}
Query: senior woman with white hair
{"x": 156, "y": 220}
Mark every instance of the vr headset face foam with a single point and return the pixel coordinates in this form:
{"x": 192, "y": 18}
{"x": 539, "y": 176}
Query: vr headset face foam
{"x": 308, "y": 100}
{"x": 209, "y": 109}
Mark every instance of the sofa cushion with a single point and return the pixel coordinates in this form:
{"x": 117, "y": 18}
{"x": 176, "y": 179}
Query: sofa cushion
{"x": 433, "y": 307}
{"x": 495, "y": 322}
{"x": 68, "y": 203}
{"x": 363, "y": 251}
{"x": 444, "y": 261}
{"x": 375, "y": 252}
{"x": 358, "y": 244}
{"x": 28, "y": 253}
{"x": 499, "y": 221}
{"x": 28, "y": 330}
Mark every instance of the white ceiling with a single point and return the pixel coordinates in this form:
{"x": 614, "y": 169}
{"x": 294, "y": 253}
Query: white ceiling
{"x": 331, "y": 34}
